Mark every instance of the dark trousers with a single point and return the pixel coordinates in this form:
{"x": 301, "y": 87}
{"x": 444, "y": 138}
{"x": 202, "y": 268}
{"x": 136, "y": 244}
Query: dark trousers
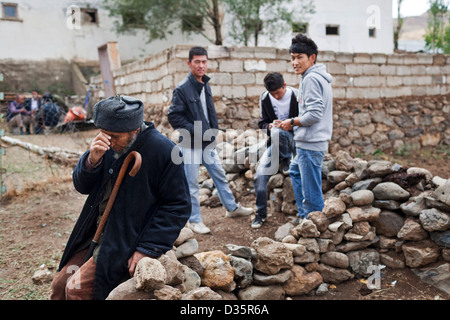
{"x": 280, "y": 149}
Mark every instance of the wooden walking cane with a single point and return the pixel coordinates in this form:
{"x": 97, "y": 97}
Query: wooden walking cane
{"x": 137, "y": 165}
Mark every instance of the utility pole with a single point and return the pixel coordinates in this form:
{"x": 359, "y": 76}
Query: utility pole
{"x": 2, "y": 151}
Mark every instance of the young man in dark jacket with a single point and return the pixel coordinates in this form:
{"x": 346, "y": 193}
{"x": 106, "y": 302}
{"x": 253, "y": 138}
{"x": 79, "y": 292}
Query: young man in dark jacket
{"x": 147, "y": 215}
{"x": 192, "y": 113}
{"x": 278, "y": 103}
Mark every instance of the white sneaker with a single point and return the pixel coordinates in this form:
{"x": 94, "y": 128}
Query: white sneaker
{"x": 240, "y": 211}
{"x": 198, "y": 227}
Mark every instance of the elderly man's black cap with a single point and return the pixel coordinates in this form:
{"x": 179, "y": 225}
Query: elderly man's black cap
{"x": 119, "y": 114}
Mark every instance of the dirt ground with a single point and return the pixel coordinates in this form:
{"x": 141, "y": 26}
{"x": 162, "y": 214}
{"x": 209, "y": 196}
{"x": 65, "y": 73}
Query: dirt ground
{"x": 41, "y": 206}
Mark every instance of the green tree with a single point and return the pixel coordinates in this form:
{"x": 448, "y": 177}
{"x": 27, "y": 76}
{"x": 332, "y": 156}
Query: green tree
{"x": 435, "y": 35}
{"x": 447, "y": 39}
{"x": 158, "y": 17}
{"x": 399, "y": 25}
{"x": 250, "y": 18}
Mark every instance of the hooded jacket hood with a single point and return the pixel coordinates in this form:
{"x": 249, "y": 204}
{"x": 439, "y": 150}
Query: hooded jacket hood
{"x": 320, "y": 69}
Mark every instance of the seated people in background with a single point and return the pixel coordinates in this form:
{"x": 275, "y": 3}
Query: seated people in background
{"x": 278, "y": 103}
{"x": 32, "y": 105}
{"x": 16, "y": 114}
{"x": 48, "y": 114}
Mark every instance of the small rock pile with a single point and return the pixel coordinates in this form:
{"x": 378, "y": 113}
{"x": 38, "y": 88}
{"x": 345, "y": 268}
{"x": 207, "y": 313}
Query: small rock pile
{"x": 376, "y": 214}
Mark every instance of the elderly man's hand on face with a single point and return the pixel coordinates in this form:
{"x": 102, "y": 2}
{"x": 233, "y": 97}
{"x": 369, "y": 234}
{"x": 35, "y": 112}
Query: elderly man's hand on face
{"x": 99, "y": 146}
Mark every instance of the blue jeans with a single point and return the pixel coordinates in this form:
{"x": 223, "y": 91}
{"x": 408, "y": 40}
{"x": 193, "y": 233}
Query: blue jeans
{"x": 281, "y": 148}
{"x": 306, "y": 175}
{"x": 210, "y": 159}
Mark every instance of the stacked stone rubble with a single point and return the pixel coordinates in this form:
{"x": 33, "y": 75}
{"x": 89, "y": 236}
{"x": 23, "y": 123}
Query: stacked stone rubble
{"x": 377, "y": 214}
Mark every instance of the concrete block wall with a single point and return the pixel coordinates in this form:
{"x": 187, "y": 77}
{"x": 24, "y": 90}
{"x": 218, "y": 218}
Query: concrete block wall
{"x": 238, "y": 72}
{"x": 396, "y": 85}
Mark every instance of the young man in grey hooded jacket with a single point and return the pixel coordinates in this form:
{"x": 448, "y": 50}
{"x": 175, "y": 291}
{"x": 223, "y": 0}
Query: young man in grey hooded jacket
{"x": 312, "y": 128}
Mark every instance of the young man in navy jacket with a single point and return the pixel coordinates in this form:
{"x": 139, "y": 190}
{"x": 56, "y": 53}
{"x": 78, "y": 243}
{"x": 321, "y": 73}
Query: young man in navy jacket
{"x": 192, "y": 113}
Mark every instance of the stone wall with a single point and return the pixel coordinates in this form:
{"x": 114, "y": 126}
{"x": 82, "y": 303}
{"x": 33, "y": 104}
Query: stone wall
{"x": 53, "y": 75}
{"x": 376, "y": 215}
{"x": 380, "y": 101}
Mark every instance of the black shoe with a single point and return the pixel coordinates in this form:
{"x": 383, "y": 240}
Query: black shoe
{"x": 258, "y": 222}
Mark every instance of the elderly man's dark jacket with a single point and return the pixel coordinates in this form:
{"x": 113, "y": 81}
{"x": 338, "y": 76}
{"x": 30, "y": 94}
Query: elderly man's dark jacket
{"x": 149, "y": 211}
{"x": 186, "y": 108}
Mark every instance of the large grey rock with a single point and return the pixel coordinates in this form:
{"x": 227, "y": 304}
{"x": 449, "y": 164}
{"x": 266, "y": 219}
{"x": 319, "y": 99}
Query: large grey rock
{"x": 420, "y": 253}
{"x": 186, "y": 249}
{"x": 241, "y": 251}
{"x": 335, "y": 259}
{"x": 185, "y": 234}
{"x": 201, "y": 293}
{"x": 437, "y": 276}
{"x": 191, "y": 279}
{"x": 283, "y": 231}
{"x": 426, "y": 173}
{"x": 389, "y": 223}
{"x": 334, "y": 177}
{"x": 360, "y": 261}
{"x": 392, "y": 259}
{"x": 362, "y": 197}
{"x": 243, "y": 271}
{"x": 275, "y": 181}
{"x": 432, "y": 202}
{"x": 301, "y": 281}
{"x": 295, "y": 248}
{"x": 174, "y": 273}
{"x": 390, "y": 191}
{"x": 344, "y": 161}
{"x": 386, "y": 204}
{"x": 288, "y": 190}
{"x": 414, "y": 206}
{"x": 273, "y": 292}
{"x": 149, "y": 274}
{"x": 308, "y": 229}
{"x": 319, "y": 219}
{"x": 443, "y": 193}
{"x": 434, "y": 220}
{"x": 267, "y": 280}
{"x": 412, "y": 230}
{"x": 334, "y": 275}
{"x": 442, "y": 239}
{"x": 168, "y": 293}
{"x": 367, "y": 184}
{"x": 127, "y": 291}
{"x": 379, "y": 168}
{"x": 219, "y": 273}
{"x": 365, "y": 213}
{"x": 272, "y": 256}
{"x": 334, "y": 207}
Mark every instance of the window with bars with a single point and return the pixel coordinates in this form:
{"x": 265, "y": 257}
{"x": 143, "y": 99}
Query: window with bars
{"x": 332, "y": 30}
{"x": 10, "y": 11}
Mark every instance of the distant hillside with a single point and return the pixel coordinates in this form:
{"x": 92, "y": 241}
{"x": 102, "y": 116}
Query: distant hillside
{"x": 413, "y": 28}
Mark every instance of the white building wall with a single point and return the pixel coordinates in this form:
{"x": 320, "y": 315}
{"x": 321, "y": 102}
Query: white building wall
{"x": 352, "y": 17}
{"x": 43, "y": 34}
